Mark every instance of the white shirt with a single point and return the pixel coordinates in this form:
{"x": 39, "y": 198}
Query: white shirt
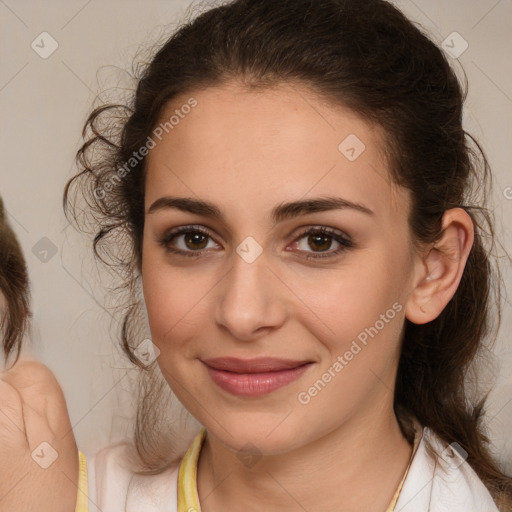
{"x": 446, "y": 484}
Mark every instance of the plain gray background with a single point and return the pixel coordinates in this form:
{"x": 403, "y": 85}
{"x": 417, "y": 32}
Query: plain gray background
{"x": 44, "y": 103}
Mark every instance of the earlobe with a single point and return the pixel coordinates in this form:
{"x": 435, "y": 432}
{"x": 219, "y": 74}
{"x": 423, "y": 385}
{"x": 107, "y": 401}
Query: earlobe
{"x": 442, "y": 268}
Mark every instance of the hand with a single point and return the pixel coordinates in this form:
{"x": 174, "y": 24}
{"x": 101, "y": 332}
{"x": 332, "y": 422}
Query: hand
{"x": 38, "y": 453}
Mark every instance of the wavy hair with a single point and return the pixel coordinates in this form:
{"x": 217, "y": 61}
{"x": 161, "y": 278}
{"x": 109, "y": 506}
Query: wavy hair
{"x": 370, "y": 58}
{"x": 14, "y": 287}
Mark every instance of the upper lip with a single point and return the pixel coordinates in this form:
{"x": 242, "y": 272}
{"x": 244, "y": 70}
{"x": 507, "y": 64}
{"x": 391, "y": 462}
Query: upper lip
{"x": 257, "y": 365}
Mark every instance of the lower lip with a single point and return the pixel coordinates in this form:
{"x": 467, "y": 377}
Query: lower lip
{"x": 255, "y": 384}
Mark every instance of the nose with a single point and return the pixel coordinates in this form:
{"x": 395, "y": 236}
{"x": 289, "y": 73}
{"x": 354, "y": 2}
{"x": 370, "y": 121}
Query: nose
{"x": 250, "y": 300}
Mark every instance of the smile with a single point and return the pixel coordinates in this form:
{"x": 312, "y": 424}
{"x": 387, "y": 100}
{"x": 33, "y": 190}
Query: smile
{"x": 254, "y": 377}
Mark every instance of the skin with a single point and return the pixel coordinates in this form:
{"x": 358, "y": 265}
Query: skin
{"x": 248, "y": 152}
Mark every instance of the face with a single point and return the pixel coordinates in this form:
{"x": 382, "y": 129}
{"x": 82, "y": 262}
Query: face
{"x": 322, "y": 285}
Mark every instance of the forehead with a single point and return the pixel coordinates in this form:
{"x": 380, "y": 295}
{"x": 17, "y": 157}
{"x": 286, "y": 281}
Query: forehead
{"x": 247, "y": 147}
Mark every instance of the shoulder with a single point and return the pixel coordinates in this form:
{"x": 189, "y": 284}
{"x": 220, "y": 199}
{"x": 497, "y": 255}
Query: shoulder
{"x": 113, "y": 484}
{"x": 440, "y": 480}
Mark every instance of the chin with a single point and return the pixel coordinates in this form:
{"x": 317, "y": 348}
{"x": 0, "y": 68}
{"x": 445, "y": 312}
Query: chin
{"x": 261, "y": 436}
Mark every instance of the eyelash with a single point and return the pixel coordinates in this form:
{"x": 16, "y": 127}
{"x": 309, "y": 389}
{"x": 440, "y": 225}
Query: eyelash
{"x": 344, "y": 241}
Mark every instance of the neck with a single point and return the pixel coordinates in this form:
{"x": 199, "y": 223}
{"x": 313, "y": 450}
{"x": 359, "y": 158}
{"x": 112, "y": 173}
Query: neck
{"x": 357, "y": 466}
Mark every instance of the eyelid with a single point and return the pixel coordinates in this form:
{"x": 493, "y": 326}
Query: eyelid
{"x": 319, "y": 227}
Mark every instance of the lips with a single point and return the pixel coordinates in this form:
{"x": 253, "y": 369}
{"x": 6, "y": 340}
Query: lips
{"x": 254, "y": 377}
{"x": 259, "y": 365}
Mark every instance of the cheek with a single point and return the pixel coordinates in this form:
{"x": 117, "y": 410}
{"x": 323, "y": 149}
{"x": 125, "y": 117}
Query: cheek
{"x": 364, "y": 328}
{"x": 361, "y": 347}
{"x": 362, "y": 310}
{"x": 356, "y": 295}
{"x": 176, "y": 300}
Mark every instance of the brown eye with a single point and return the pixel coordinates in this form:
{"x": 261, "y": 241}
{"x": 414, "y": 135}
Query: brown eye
{"x": 186, "y": 241}
{"x": 320, "y": 240}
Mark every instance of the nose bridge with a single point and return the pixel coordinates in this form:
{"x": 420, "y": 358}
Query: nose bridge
{"x": 249, "y": 297}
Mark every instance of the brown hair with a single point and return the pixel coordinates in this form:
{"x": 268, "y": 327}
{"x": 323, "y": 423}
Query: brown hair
{"x": 369, "y": 57}
{"x": 14, "y": 286}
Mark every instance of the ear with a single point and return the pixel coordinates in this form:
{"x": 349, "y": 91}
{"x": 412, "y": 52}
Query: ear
{"x": 441, "y": 268}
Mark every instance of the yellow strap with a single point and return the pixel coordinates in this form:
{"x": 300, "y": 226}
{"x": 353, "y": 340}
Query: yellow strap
{"x": 392, "y": 505}
{"x": 188, "y": 500}
{"x": 417, "y": 439}
{"x": 83, "y": 491}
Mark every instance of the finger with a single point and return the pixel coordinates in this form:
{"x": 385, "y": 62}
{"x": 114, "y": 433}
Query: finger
{"x": 12, "y": 425}
{"x": 57, "y": 412}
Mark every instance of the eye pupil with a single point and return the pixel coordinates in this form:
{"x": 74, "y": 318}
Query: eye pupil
{"x": 318, "y": 238}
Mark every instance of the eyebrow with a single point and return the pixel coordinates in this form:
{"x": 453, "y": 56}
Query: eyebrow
{"x": 278, "y": 214}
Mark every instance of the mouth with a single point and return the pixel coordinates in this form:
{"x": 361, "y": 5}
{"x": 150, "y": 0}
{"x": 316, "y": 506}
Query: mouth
{"x": 254, "y": 377}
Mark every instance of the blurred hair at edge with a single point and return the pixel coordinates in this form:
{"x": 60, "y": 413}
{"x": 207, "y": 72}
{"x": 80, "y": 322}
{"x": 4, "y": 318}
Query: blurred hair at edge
{"x": 14, "y": 290}
{"x": 366, "y": 56}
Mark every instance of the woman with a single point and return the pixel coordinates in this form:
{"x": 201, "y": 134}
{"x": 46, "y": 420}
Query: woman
{"x": 293, "y": 185}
